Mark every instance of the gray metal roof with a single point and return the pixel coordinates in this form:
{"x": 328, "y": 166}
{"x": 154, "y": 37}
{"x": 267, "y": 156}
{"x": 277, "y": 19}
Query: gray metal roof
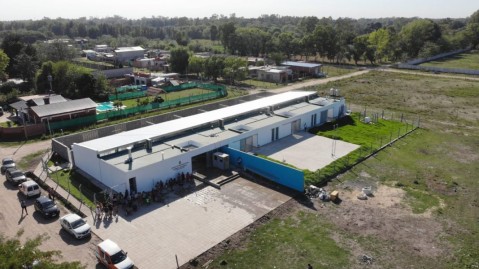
{"x": 19, "y": 105}
{"x": 299, "y": 64}
{"x": 63, "y": 107}
{"x": 181, "y": 124}
{"x": 53, "y": 99}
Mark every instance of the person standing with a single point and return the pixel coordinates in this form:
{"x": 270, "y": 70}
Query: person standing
{"x": 24, "y": 207}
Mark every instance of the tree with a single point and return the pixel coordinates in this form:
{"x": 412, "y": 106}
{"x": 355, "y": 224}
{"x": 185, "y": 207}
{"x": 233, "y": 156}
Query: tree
{"x": 3, "y": 64}
{"x": 55, "y": 51}
{"x": 196, "y": 65}
{"x": 70, "y": 80}
{"x": 415, "y": 34}
{"x": 359, "y": 47}
{"x": 308, "y": 24}
{"x": 214, "y": 67}
{"x": 277, "y": 57}
{"x": 235, "y": 68}
{"x": 472, "y": 34}
{"x": 474, "y": 17}
{"x": 14, "y": 254}
{"x": 213, "y": 32}
{"x": 227, "y": 30}
{"x": 179, "y": 59}
{"x": 380, "y": 40}
{"x": 12, "y": 46}
{"x": 26, "y": 66}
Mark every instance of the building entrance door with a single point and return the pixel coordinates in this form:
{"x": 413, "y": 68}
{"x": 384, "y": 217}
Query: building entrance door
{"x": 133, "y": 185}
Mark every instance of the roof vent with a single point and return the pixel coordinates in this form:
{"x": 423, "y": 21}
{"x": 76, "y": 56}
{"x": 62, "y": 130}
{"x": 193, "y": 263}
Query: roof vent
{"x": 130, "y": 159}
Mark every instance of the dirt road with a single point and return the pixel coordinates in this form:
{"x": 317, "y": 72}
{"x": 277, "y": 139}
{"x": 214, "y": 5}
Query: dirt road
{"x": 24, "y": 149}
{"x": 309, "y": 83}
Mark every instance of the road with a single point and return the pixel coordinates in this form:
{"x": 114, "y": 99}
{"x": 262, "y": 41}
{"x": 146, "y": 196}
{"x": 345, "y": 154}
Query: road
{"x": 34, "y": 224}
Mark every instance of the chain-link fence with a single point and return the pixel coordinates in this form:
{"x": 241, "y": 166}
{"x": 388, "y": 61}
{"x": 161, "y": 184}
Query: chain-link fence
{"x": 371, "y": 146}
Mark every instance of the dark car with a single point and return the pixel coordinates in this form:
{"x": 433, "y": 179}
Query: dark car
{"x": 7, "y": 163}
{"x": 46, "y": 207}
{"x": 15, "y": 176}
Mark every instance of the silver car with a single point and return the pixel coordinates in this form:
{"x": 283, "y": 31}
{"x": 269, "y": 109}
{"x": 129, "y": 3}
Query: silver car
{"x": 75, "y": 225}
{"x": 7, "y": 163}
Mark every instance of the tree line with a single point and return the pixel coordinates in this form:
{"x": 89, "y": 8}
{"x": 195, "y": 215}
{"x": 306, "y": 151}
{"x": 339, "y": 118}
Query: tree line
{"x": 387, "y": 39}
{"x": 24, "y": 50}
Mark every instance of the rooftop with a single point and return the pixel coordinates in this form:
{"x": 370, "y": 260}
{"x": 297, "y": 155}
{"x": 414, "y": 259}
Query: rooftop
{"x": 201, "y": 137}
{"x": 64, "y": 107}
{"x": 124, "y": 49}
{"x": 125, "y": 139}
{"x": 301, "y": 64}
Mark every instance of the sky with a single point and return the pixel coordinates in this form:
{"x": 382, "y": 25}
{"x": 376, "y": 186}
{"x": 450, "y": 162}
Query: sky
{"x": 38, "y": 9}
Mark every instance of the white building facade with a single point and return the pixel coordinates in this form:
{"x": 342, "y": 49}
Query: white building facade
{"x": 137, "y": 159}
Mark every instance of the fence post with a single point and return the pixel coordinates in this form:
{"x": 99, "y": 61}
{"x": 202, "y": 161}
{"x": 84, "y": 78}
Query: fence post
{"x": 68, "y": 196}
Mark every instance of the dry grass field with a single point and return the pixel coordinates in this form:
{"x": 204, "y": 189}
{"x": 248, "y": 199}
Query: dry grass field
{"x": 425, "y": 208}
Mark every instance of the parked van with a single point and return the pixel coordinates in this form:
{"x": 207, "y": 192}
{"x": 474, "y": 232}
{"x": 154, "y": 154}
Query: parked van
{"x": 112, "y": 256}
{"x": 29, "y": 188}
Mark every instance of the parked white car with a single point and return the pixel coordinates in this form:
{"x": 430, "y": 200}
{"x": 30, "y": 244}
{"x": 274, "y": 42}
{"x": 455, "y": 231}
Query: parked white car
{"x": 75, "y": 225}
{"x": 29, "y": 188}
{"x": 112, "y": 256}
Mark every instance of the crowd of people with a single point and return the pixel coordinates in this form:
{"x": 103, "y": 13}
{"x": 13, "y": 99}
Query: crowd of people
{"x": 131, "y": 201}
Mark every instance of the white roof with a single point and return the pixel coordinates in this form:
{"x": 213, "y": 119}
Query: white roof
{"x": 109, "y": 247}
{"x": 168, "y": 127}
{"x": 71, "y": 217}
{"x": 122, "y": 49}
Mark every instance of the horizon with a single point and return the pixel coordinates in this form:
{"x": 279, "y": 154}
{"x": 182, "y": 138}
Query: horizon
{"x": 22, "y": 10}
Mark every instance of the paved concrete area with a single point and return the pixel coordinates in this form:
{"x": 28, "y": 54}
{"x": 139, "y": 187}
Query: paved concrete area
{"x": 188, "y": 226}
{"x": 306, "y": 151}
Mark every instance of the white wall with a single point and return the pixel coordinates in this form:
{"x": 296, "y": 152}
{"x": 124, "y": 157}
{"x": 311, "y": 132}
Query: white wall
{"x": 147, "y": 176}
{"x": 284, "y": 130}
{"x": 87, "y": 160}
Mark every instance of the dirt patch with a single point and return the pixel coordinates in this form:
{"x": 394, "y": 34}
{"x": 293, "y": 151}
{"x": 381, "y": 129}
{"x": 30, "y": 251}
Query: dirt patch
{"x": 386, "y": 219}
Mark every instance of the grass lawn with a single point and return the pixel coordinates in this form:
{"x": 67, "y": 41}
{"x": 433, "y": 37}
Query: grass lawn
{"x": 73, "y": 182}
{"x": 436, "y": 166}
{"x": 262, "y": 84}
{"x": 351, "y": 129}
{"x": 30, "y": 161}
{"x": 5, "y": 124}
{"x": 289, "y": 243}
{"x": 468, "y": 60}
{"x": 334, "y": 71}
{"x": 167, "y": 96}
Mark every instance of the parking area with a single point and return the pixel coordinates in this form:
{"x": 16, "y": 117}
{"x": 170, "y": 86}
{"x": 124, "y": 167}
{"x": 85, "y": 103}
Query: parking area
{"x": 186, "y": 226}
{"x": 307, "y": 151}
{"x": 34, "y": 224}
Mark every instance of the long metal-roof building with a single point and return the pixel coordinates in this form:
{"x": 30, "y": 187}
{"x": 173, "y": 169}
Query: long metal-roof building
{"x": 137, "y": 159}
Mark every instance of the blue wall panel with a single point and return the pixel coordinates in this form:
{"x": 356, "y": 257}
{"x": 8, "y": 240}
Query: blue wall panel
{"x": 281, "y": 174}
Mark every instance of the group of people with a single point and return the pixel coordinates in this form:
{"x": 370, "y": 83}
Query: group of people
{"x": 106, "y": 210}
{"x": 130, "y": 201}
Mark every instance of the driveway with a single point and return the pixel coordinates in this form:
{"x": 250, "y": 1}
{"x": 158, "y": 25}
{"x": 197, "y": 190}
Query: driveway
{"x": 34, "y": 224}
{"x": 186, "y": 226}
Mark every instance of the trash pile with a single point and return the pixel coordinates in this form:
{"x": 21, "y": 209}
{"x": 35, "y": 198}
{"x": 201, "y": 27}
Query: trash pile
{"x": 365, "y": 193}
{"x": 366, "y": 259}
{"x": 315, "y": 192}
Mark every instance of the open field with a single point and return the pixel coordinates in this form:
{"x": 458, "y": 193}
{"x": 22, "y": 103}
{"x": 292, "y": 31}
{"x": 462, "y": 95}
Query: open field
{"x": 425, "y": 209}
{"x": 166, "y": 96}
{"x": 464, "y": 61}
{"x": 334, "y": 71}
